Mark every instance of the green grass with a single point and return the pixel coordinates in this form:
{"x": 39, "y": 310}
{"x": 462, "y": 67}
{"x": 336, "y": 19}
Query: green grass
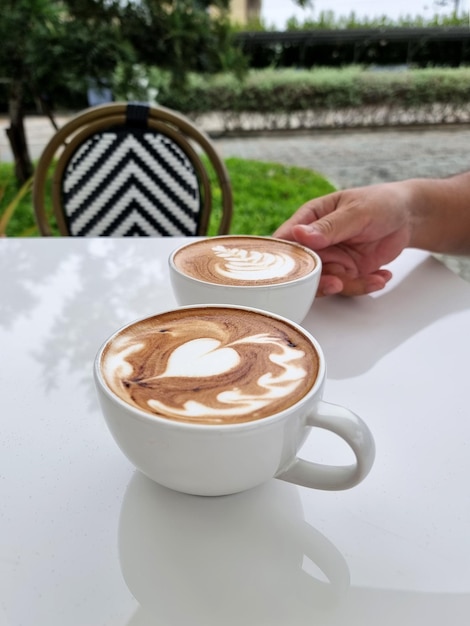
{"x": 265, "y": 195}
{"x": 21, "y": 219}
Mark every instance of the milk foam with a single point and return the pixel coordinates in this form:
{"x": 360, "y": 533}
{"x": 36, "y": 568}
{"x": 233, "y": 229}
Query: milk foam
{"x": 247, "y": 265}
{"x": 211, "y": 365}
{"x": 216, "y": 361}
{"x": 201, "y": 357}
{"x": 240, "y": 260}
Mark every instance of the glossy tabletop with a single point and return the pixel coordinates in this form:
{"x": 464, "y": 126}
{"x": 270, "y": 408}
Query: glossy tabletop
{"x": 86, "y": 540}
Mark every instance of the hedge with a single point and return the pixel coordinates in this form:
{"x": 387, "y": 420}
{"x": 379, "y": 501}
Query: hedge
{"x": 282, "y": 91}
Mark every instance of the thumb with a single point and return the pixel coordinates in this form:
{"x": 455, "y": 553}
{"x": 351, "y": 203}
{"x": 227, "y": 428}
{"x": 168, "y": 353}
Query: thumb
{"x": 328, "y": 230}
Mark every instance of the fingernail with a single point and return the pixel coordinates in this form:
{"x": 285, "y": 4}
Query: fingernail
{"x": 309, "y": 228}
{"x": 330, "y": 291}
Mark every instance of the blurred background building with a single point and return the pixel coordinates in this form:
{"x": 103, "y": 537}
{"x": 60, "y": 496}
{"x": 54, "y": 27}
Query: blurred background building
{"x": 242, "y": 11}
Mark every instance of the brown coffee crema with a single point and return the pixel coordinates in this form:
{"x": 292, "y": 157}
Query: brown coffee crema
{"x": 239, "y": 260}
{"x": 210, "y": 365}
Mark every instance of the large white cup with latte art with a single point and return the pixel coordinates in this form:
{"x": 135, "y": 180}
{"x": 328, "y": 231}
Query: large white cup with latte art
{"x": 262, "y": 272}
{"x": 213, "y": 400}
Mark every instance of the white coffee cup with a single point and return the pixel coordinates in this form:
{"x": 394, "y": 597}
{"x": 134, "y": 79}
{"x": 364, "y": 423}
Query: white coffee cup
{"x": 262, "y": 272}
{"x": 222, "y": 458}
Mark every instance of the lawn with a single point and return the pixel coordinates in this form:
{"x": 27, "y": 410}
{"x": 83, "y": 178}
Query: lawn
{"x": 265, "y": 195}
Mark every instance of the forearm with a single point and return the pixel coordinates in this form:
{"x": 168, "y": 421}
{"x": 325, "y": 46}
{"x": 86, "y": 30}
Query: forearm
{"x": 440, "y": 214}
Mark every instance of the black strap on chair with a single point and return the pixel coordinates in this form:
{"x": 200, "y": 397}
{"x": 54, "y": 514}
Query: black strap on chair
{"x": 137, "y": 114}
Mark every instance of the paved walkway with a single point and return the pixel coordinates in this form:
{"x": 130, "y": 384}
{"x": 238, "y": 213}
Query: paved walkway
{"x": 346, "y": 157}
{"x": 360, "y": 157}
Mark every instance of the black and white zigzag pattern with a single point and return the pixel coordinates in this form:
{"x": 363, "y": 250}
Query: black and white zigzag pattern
{"x": 123, "y": 184}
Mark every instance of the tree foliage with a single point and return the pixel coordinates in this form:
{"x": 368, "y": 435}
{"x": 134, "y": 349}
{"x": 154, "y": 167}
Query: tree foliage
{"x": 182, "y": 36}
{"x": 46, "y": 48}
{"x": 54, "y": 46}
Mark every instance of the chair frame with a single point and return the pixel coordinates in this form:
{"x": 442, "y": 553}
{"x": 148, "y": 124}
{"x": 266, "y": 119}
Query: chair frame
{"x": 169, "y": 123}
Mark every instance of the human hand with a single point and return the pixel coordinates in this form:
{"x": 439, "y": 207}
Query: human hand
{"x": 355, "y": 232}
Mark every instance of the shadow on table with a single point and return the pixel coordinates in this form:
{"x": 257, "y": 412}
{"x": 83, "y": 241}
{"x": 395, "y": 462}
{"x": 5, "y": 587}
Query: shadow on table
{"x": 369, "y": 327}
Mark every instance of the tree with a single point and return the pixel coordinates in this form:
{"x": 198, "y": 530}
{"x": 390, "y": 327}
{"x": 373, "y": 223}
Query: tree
{"x": 45, "y": 48}
{"x": 182, "y": 36}
{"x": 50, "y": 47}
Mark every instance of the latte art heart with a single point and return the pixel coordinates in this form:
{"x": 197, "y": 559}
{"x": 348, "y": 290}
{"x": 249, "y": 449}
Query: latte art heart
{"x": 200, "y": 357}
{"x": 220, "y": 361}
{"x": 215, "y": 365}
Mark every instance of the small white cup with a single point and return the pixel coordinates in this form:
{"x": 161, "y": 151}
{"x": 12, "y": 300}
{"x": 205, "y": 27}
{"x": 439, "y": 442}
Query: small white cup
{"x": 217, "y": 459}
{"x": 291, "y": 298}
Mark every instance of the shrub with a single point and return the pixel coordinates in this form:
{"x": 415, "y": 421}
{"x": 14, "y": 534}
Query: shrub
{"x": 285, "y": 91}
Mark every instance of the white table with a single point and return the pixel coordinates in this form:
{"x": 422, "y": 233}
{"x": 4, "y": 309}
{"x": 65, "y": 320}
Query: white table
{"x": 85, "y": 540}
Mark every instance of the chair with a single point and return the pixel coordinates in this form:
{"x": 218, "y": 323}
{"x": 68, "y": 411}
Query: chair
{"x": 130, "y": 169}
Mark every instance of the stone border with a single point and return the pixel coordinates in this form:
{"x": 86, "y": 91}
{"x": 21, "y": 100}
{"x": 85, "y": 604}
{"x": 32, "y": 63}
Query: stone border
{"x": 227, "y": 122}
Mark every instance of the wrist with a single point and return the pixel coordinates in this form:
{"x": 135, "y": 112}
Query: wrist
{"x": 439, "y": 214}
{"x": 428, "y": 203}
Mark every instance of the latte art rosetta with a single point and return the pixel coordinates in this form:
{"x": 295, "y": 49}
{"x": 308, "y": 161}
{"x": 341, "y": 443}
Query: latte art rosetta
{"x": 210, "y": 366}
{"x": 244, "y": 260}
{"x": 249, "y": 265}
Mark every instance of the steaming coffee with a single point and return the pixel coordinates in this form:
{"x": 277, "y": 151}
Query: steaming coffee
{"x": 210, "y": 365}
{"x": 240, "y": 260}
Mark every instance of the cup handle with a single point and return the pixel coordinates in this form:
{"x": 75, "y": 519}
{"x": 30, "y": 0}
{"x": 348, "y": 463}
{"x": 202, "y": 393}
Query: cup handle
{"x": 357, "y": 435}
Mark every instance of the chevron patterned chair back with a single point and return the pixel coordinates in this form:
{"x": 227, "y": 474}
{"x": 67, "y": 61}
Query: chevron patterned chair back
{"x": 130, "y": 169}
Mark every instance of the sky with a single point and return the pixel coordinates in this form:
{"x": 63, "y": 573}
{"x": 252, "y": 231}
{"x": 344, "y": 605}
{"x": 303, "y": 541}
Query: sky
{"x": 277, "y": 12}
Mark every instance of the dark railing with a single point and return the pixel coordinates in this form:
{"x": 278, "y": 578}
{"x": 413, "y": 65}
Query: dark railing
{"x": 422, "y": 47}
